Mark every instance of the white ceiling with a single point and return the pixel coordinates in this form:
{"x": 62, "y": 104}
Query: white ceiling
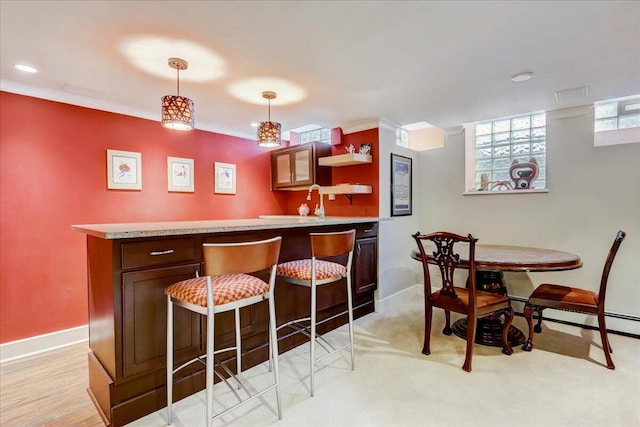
{"x": 334, "y": 63}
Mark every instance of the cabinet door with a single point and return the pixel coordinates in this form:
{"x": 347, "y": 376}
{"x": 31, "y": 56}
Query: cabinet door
{"x": 365, "y": 265}
{"x": 293, "y": 166}
{"x": 303, "y": 166}
{"x": 144, "y": 314}
{"x": 282, "y": 170}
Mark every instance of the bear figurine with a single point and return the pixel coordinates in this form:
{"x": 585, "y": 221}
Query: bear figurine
{"x": 523, "y": 174}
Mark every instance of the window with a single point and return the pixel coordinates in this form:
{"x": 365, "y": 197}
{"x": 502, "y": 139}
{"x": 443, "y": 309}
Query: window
{"x": 320, "y": 134}
{"x": 617, "y": 121}
{"x": 402, "y": 137}
{"x": 492, "y": 147}
{"x": 617, "y": 114}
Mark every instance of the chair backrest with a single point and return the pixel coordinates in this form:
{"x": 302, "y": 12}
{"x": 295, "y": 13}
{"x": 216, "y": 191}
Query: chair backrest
{"x": 245, "y": 257}
{"x": 332, "y": 244}
{"x": 447, "y": 260}
{"x": 607, "y": 266}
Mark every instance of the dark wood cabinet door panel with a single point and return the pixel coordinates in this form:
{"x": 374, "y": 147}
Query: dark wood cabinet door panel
{"x": 365, "y": 265}
{"x": 144, "y": 310}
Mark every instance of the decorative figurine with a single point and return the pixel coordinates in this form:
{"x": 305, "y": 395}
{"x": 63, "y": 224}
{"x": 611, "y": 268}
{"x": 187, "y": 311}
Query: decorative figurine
{"x": 350, "y": 148}
{"x": 303, "y": 209}
{"x": 365, "y": 148}
{"x": 484, "y": 182}
{"x": 523, "y": 174}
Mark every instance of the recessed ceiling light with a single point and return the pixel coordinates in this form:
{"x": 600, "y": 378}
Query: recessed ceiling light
{"x": 255, "y": 125}
{"x": 522, "y": 77}
{"x": 26, "y": 68}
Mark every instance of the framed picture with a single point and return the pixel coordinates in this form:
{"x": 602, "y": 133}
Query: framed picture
{"x": 180, "y": 174}
{"x": 401, "y": 191}
{"x": 224, "y": 178}
{"x": 124, "y": 170}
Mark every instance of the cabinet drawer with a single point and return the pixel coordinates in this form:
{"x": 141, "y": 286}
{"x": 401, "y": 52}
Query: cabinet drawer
{"x": 366, "y": 230}
{"x": 160, "y": 252}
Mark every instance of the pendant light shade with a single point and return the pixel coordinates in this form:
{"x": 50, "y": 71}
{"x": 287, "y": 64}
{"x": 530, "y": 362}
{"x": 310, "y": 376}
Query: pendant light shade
{"x": 269, "y": 133}
{"x": 177, "y": 111}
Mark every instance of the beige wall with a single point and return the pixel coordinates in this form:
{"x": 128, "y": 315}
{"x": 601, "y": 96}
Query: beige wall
{"x": 593, "y": 192}
{"x": 396, "y": 271}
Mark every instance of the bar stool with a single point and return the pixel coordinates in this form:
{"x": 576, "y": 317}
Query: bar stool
{"x": 227, "y": 285}
{"x": 315, "y": 272}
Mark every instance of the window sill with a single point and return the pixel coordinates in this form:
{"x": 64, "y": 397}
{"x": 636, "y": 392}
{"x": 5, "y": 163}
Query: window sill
{"x": 616, "y": 137}
{"x": 487, "y": 193}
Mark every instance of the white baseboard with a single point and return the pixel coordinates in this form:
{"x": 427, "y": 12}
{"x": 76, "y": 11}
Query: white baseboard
{"x": 39, "y": 344}
{"x": 383, "y": 303}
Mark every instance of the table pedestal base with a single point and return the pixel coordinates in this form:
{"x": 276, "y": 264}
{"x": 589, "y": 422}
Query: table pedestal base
{"x": 489, "y": 328}
{"x": 489, "y": 332}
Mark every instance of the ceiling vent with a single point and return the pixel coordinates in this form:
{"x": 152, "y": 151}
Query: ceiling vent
{"x": 84, "y": 91}
{"x": 571, "y": 94}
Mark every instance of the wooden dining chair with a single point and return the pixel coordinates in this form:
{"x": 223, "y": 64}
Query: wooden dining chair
{"x": 578, "y": 300}
{"x": 464, "y": 300}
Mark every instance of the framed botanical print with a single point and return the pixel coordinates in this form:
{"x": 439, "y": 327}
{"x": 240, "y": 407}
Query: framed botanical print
{"x": 225, "y": 178}
{"x": 180, "y": 174}
{"x": 124, "y": 170}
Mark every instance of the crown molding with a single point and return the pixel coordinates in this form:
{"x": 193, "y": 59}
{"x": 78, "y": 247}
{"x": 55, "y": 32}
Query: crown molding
{"x": 378, "y": 123}
{"x": 101, "y": 104}
{"x": 571, "y": 112}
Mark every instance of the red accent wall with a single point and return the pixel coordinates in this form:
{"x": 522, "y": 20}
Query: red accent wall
{"x": 366, "y": 174}
{"x": 53, "y": 174}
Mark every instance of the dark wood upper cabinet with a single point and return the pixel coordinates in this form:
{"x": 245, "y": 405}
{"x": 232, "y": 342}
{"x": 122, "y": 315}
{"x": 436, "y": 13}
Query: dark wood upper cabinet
{"x": 297, "y": 167}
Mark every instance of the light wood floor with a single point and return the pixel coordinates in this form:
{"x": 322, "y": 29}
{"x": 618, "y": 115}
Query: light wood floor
{"x": 47, "y": 390}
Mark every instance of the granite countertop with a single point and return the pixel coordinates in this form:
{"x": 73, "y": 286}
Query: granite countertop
{"x": 265, "y": 222}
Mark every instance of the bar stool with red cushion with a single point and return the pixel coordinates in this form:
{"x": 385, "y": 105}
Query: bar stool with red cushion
{"x": 318, "y": 271}
{"x": 227, "y": 285}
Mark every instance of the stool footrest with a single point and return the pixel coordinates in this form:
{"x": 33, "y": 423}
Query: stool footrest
{"x": 332, "y": 352}
{"x": 242, "y": 402}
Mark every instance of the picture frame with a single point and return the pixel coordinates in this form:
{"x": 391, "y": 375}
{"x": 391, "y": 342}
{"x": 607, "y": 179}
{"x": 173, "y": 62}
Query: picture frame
{"x": 124, "y": 170}
{"x": 401, "y": 185}
{"x": 224, "y": 178}
{"x": 180, "y": 175}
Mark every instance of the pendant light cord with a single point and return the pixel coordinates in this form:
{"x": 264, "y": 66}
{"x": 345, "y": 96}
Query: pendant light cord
{"x": 178, "y": 78}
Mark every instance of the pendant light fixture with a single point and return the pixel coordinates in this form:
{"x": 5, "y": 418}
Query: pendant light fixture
{"x": 177, "y": 111}
{"x": 269, "y": 132}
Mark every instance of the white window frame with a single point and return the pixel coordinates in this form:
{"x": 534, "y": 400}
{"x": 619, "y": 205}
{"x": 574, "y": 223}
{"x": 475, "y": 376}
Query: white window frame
{"x": 470, "y": 159}
{"x": 617, "y": 136}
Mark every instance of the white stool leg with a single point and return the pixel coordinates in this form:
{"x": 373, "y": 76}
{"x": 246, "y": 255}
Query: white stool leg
{"x": 273, "y": 350}
{"x": 312, "y": 358}
{"x": 169, "y": 360}
{"x": 350, "y": 313}
{"x": 236, "y": 314}
{"x": 210, "y": 349}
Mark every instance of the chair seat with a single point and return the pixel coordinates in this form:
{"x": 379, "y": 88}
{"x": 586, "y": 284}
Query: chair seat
{"x": 485, "y": 301}
{"x": 226, "y": 289}
{"x": 301, "y": 269}
{"x": 565, "y": 297}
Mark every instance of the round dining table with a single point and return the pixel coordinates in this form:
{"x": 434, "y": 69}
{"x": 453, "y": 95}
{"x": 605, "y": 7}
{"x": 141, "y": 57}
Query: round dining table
{"x": 491, "y": 262}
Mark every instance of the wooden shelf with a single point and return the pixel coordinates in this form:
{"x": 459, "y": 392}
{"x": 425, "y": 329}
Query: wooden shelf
{"x": 348, "y": 159}
{"x": 347, "y": 189}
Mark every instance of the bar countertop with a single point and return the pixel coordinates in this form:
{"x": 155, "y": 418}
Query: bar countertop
{"x": 172, "y": 228}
